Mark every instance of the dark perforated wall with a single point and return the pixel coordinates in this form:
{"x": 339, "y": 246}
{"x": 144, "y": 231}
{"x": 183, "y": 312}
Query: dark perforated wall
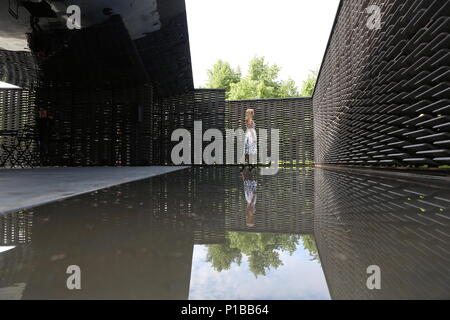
{"x": 382, "y": 96}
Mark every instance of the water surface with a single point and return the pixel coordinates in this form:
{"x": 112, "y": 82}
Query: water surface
{"x": 216, "y": 233}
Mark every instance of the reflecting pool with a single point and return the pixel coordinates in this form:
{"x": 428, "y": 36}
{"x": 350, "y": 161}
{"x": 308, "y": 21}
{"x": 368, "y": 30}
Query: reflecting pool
{"x": 218, "y": 233}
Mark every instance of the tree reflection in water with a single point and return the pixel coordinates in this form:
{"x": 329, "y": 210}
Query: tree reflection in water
{"x": 262, "y": 250}
{"x": 310, "y": 244}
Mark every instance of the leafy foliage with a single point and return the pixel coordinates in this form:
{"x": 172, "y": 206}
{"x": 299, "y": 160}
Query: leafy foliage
{"x": 262, "y": 251}
{"x": 260, "y": 82}
{"x": 309, "y": 85}
{"x": 222, "y": 76}
{"x": 310, "y": 245}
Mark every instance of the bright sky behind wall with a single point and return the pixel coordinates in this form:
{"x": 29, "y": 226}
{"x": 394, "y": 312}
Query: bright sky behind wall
{"x": 291, "y": 33}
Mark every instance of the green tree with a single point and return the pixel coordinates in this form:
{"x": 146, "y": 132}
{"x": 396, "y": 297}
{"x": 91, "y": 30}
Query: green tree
{"x": 308, "y": 86}
{"x": 222, "y": 76}
{"x": 310, "y": 244}
{"x": 262, "y": 251}
{"x": 260, "y": 82}
{"x": 289, "y": 89}
{"x": 222, "y": 256}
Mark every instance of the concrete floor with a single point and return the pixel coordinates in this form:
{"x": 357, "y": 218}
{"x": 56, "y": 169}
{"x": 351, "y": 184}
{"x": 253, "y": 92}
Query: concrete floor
{"x": 25, "y": 188}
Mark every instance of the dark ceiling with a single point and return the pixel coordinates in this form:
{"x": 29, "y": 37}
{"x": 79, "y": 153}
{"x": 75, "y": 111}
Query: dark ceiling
{"x": 123, "y": 42}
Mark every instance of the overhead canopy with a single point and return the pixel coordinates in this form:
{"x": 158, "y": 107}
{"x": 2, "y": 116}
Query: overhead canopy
{"x": 121, "y": 41}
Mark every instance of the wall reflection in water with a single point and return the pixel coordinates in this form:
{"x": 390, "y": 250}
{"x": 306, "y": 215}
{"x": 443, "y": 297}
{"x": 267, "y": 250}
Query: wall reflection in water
{"x": 130, "y": 241}
{"x": 265, "y": 216}
{"x": 137, "y": 240}
{"x": 401, "y": 226}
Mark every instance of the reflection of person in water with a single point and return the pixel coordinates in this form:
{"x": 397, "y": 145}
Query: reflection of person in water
{"x": 250, "y": 196}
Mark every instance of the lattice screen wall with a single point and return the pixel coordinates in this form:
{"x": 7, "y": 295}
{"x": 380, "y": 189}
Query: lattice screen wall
{"x": 289, "y": 209}
{"x": 17, "y": 109}
{"x": 17, "y": 106}
{"x": 383, "y": 96}
{"x": 293, "y": 117}
{"x": 17, "y": 112}
{"x": 99, "y": 126}
{"x": 18, "y": 68}
{"x": 180, "y": 112}
{"x": 110, "y": 125}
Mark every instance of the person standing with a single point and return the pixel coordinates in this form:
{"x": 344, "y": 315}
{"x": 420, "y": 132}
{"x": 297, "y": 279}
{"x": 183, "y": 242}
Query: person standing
{"x": 250, "y": 141}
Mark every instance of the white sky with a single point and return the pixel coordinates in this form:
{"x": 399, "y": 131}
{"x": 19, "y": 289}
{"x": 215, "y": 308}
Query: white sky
{"x": 290, "y": 33}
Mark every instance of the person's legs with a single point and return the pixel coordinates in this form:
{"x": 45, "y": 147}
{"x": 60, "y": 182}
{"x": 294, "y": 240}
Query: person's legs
{"x": 245, "y": 161}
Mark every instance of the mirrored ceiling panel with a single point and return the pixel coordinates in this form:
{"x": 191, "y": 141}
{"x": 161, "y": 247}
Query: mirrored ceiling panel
{"x": 96, "y": 43}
